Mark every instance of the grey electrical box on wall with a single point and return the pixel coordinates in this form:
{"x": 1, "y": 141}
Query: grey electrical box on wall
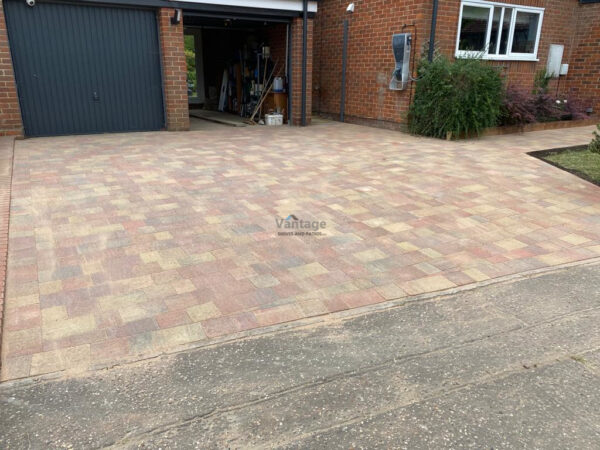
{"x": 401, "y": 44}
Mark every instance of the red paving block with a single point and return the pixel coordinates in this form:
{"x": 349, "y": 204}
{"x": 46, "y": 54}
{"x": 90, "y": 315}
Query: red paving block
{"x": 360, "y": 298}
{"x": 109, "y": 350}
{"x": 24, "y": 317}
{"x": 172, "y": 318}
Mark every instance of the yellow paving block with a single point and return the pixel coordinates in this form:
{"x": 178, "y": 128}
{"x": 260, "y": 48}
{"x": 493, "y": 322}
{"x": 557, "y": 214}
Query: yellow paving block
{"x": 372, "y": 254}
{"x": 71, "y": 358}
{"x": 431, "y": 253}
{"x": 376, "y": 222}
{"x": 132, "y": 284}
{"x": 554, "y": 259}
{"x": 213, "y": 219}
{"x": 477, "y": 275}
{"x": 184, "y": 286}
{"x": 183, "y": 334}
{"x": 70, "y": 327}
{"x": 50, "y": 287}
{"x": 390, "y": 291}
{"x": 407, "y": 246}
{"x": 510, "y": 244}
{"x": 574, "y": 239}
{"x": 264, "y": 281}
{"x": 53, "y": 315}
{"x": 168, "y": 263}
{"x": 115, "y": 302}
{"x": 308, "y": 270}
{"x": 24, "y": 300}
{"x": 427, "y": 284}
{"x": 397, "y": 227}
{"x": 204, "y": 311}
{"x": 148, "y": 257}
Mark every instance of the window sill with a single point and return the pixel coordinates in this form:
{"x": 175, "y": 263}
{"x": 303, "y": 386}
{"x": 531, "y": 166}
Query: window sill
{"x": 497, "y": 58}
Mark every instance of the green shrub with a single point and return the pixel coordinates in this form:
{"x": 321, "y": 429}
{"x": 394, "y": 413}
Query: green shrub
{"x": 541, "y": 81}
{"x": 594, "y": 146}
{"x": 453, "y": 98}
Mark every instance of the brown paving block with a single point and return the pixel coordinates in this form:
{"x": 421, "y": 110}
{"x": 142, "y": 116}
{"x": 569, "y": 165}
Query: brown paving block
{"x": 390, "y": 291}
{"x": 335, "y": 304}
{"x": 184, "y": 301}
{"x": 362, "y": 297}
{"x": 22, "y": 342}
{"x": 221, "y": 326}
{"x": 278, "y": 314}
{"x": 138, "y": 326}
{"x": 15, "y": 367}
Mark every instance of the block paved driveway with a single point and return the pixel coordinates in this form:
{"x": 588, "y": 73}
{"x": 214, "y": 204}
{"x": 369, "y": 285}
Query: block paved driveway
{"x": 129, "y": 245}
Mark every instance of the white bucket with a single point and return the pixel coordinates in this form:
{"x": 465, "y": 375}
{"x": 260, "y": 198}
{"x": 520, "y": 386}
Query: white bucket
{"x": 273, "y": 120}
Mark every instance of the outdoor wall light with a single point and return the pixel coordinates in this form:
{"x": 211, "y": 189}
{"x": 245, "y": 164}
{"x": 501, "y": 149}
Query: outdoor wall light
{"x": 176, "y": 19}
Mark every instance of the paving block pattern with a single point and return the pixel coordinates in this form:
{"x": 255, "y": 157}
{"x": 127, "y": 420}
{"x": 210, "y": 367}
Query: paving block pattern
{"x": 124, "y": 246}
{"x": 6, "y": 159}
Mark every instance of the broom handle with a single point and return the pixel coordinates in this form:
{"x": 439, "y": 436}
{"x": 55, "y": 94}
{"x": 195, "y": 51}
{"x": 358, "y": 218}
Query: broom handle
{"x": 265, "y": 93}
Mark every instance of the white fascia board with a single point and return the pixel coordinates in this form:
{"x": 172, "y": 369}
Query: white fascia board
{"x": 286, "y": 5}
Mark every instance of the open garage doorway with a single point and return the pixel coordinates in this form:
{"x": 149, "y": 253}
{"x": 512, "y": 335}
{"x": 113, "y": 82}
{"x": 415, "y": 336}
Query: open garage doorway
{"x": 237, "y": 70}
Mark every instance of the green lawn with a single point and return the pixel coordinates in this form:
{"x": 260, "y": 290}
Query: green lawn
{"x": 578, "y": 160}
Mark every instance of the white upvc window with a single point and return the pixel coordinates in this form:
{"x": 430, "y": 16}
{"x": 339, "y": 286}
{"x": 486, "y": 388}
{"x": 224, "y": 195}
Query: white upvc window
{"x": 498, "y": 31}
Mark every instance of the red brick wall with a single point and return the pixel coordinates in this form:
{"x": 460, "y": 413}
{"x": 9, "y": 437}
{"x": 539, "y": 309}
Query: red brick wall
{"x": 370, "y": 57}
{"x": 174, "y": 71}
{"x": 371, "y": 62}
{"x": 10, "y": 113}
{"x": 296, "y": 74}
{"x": 276, "y": 36}
{"x": 584, "y": 69}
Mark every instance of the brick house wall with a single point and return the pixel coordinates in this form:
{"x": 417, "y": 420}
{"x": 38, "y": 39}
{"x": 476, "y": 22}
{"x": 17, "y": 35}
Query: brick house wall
{"x": 276, "y": 36}
{"x": 174, "y": 71}
{"x": 370, "y": 58}
{"x": 296, "y": 72}
{"x": 584, "y": 71}
{"x": 371, "y": 62}
{"x": 10, "y": 112}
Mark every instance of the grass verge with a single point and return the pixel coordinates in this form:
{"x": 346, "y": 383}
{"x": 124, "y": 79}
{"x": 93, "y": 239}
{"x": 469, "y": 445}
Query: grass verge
{"x": 576, "y": 160}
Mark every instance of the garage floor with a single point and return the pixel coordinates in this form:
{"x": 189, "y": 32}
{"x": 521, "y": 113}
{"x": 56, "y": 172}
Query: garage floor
{"x": 129, "y": 245}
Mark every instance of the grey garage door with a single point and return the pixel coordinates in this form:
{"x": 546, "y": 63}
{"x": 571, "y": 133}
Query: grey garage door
{"x": 85, "y": 69}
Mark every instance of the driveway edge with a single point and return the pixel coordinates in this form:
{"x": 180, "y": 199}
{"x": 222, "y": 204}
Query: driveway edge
{"x": 7, "y": 146}
{"x": 300, "y": 324}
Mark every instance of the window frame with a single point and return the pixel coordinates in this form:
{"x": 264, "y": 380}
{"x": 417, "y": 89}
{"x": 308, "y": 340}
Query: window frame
{"x": 510, "y": 55}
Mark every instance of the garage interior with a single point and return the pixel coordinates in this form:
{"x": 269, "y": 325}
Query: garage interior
{"x": 237, "y": 70}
